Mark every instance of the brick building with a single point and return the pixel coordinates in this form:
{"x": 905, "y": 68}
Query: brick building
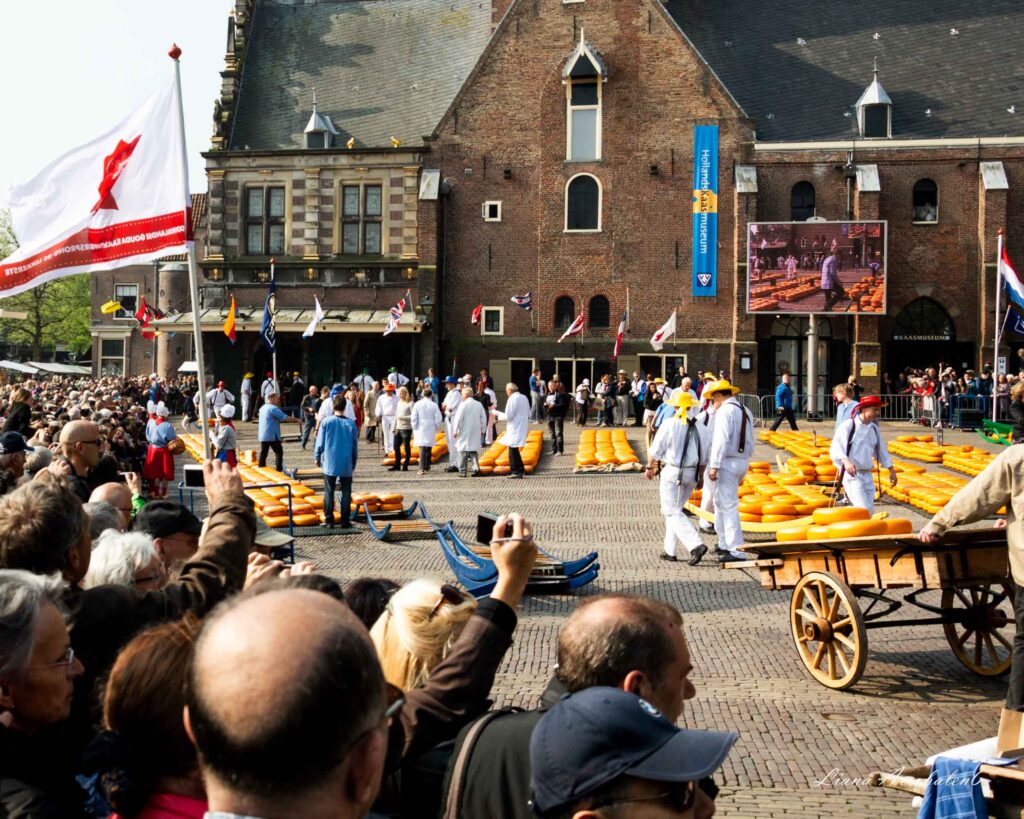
{"x": 118, "y": 347}
{"x": 547, "y": 146}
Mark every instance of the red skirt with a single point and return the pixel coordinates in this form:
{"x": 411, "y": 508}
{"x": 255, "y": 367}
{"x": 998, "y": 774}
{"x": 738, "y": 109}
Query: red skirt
{"x": 159, "y": 464}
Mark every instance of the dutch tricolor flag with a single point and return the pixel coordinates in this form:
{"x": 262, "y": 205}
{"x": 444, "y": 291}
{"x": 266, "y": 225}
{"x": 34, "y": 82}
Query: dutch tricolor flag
{"x": 1012, "y": 282}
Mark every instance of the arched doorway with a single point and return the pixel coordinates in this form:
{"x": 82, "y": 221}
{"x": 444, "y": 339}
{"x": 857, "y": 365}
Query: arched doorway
{"x": 923, "y": 335}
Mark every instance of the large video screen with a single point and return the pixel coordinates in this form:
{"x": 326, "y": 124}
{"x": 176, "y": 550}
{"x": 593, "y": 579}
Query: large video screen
{"x": 816, "y": 267}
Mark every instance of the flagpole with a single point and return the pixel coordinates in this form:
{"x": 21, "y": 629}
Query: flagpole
{"x": 193, "y": 278}
{"x": 273, "y": 355}
{"x": 995, "y": 340}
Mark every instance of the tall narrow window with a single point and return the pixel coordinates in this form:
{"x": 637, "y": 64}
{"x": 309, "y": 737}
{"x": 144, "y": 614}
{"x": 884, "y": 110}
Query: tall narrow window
{"x": 361, "y": 209}
{"x": 583, "y": 203}
{"x": 801, "y": 203}
{"x": 127, "y": 295}
{"x": 264, "y": 221}
{"x": 565, "y": 312}
{"x": 597, "y": 314}
{"x": 584, "y": 119}
{"x": 926, "y": 201}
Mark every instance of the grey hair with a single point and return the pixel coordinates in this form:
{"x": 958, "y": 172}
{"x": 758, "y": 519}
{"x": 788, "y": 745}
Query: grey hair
{"x": 22, "y": 595}
{"x": 116, "y": 558}
{"x": 39, "y": 458}
{"x": 512, "y": 385}
{"x": 102, "y": 516}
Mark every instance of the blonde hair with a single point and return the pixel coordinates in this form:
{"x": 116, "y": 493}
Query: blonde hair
{"x": 1017, "y": 391}
{"x": 409, "y": 642}
{"x": 844, "y": 388}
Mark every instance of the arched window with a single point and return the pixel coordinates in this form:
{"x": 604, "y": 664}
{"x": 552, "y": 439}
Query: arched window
{"x": 565, "y": 312}
{"x": 801, "y": 202}
{"x": 583, "y": 203}
{"x": 923, "y": 319}
{"x": 926, "y": 201}
{"x": 597, "y": 313}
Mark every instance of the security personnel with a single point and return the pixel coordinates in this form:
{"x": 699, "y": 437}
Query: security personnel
{"x": 682, "y": 445}
{"x": 732, "y": 444}
{"x": 857, "y": 441}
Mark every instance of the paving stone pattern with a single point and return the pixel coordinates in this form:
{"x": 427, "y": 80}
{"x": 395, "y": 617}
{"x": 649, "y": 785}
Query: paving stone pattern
{"x": 803, "y": 748}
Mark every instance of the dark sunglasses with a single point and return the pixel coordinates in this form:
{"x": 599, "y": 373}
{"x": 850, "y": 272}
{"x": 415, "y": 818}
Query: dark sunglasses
{"x": 449, "y": 594}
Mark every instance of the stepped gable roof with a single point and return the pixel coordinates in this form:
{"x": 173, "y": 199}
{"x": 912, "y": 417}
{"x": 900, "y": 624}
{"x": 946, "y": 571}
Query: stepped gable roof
{"x": 952, "y": 69}
{"x": 381, "y": 68}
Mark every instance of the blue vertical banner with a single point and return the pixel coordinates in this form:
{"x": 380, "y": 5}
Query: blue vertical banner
{"x": 705, "y": 210}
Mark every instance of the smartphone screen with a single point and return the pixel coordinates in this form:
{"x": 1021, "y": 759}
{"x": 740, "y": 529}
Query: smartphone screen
{"x": 485, "y": 528}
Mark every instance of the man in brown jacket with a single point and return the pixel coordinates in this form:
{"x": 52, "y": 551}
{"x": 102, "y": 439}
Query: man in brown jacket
{"x": 1000, "y": 484}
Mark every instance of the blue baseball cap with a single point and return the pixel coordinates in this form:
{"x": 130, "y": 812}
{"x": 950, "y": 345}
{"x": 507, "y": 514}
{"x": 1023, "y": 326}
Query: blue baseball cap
{"x": 451, "y": 379}
{"x": 594, "y": 736}
{"x": 337, "y": 389}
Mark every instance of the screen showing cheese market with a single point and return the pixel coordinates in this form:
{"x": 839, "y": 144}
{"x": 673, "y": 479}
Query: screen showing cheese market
{"x": 816, "y": 267}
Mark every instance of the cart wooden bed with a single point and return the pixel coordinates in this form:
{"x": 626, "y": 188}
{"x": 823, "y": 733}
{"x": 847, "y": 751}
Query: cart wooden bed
{"x": 839, "y": 594}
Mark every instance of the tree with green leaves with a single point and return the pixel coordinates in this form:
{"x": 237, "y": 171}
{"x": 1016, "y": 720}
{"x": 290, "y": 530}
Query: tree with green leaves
{"x": 59, "y": 311}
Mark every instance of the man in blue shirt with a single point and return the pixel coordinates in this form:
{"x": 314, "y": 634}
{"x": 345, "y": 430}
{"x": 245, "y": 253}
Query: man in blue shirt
{"x": 269, "y": 432}
{"x": 433, "y": 382}
{"x": 784, "y": 404}
{"x": 336, "y": 452}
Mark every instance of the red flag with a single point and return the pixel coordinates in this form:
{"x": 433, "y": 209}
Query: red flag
{"x": 618, "y": 338}
{"x": 229, "y": 322}
{"x": 142, "y": 317}
{"x": 121, "y": 201}
{"x": 475, "y": 316}
{"x": 574, "y": 329}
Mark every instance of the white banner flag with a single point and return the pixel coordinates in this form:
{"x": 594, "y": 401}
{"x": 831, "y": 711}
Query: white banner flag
{"x": 117, "y": 200}
{"x": 667, "y": 329}
{"x": 318, "y": 316}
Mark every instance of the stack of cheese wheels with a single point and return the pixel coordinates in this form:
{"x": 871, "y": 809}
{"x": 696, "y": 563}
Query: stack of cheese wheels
{"x": 970, "y": 461}
{"x": 439, "y": 451}
{"x": 495, "y": 460}
{"x": 374, "y": 502}
{"x": 843, "y": 523}
{"x": 600, "y": 447}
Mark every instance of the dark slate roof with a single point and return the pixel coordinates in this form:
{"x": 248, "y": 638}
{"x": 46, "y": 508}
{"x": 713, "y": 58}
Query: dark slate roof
{"x": 381, "y": 68}
{"x": 798, "y": 91}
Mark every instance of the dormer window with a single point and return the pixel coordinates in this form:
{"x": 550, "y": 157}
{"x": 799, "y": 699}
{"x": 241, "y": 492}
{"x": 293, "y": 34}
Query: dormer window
{"x": 874, "y": 111}
{"x": 320, "y": 131}
{"x": 584, "y": 76}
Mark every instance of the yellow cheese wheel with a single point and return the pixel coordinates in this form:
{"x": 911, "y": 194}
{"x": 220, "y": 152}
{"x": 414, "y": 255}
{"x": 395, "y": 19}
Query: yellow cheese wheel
{"x": 815, "y": 533}
{"x": 582, "y": 460}
{"x": 753, "y": 507}
{"x": 749, "y": 518}
{"x": 392, "y": 498}
{"x": 856, "y": 528}
{"x": 273, "y": 509}
{"x": 838, "y": 514}
{"x": 898, "y": 526}
{"x": 391, "y": 507}
{"x": 276, "y": 522}
{"x": 792, "y": 533}
{"x": 792, "y": 480}
{"x": 757, "y": 466}
{"x": 905, "y": 439}
{"x": 305, "y": 520}
{"x": 777, "y": 518}
{"x": 486, "y": 470}
{"x": 778, "y": 509}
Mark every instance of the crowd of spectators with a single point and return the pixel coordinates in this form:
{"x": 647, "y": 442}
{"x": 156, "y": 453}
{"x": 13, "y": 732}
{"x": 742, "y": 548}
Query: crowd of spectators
{"x": 156, "y": 665}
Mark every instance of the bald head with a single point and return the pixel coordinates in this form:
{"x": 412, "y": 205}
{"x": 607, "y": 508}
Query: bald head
{"x": 117, "y": 495}
{"x": 78, "y": 431}
{"x": 80, "y": 444}
{"x": 283, "y": 686}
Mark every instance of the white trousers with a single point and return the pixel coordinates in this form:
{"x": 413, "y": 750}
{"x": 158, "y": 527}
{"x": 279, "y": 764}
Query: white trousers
{"x": 677, "y": 525}
{"x": 860, "y": 490}
{"x": 707, "y": 503}
{"x": 727, "y": 507}
{"x": 387, "y": 426}
{"x": 245, "y": 407}
{"x": 449, "y": 434}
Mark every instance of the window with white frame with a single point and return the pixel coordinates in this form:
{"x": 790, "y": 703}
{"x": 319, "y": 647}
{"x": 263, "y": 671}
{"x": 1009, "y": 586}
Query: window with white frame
{"x": 493, "y": 321}
{"x": 264, "y": 221}
{"x": 127, "y": 295}
{"x": 583, "y": 117}
{"x": 583, "y": 204}
{"x": 492, "y": 211}
{"x": 112, "y": 356}
{"x": 361, "y": 219}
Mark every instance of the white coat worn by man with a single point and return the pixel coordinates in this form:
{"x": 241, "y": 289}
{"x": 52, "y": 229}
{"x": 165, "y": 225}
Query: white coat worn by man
{"x": 387, "y": 406}
{"x": 449, "y": 407}
{"x": 246, "y": 397}
{"x": 732, "y": 444}
{"x": 857, "y": 443}
{"x": 427, "y": 421}
{"x": 517, "y": 414}
{"x": 706, "y": 418}
{"x": 682, "y": 445}
{"x": 470, "y": 422}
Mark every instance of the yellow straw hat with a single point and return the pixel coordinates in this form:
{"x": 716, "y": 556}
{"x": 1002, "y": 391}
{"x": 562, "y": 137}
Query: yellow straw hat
{"x": 721, "y": 386}
{"x": 683, "y": 400}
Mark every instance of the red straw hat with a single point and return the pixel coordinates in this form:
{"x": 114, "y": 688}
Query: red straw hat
{"x": 869, "y": 401}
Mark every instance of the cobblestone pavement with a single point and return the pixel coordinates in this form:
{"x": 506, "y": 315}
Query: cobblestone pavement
{"x": 802, "y": 747}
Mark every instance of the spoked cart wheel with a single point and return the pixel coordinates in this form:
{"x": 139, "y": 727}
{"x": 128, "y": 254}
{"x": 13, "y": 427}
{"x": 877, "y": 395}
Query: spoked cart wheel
{"x": 828, "y": 629}
{"x": 983, "y": 638}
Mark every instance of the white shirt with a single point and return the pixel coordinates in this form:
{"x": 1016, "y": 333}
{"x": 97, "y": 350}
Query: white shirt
{"x": 398, "y": 379}
{"x": 426, "y": 422}
{"x": 217, "y": 398}
{"x": 669, "y": 442}
{"x": 326, "y": 410}
{"x": 364, "y": 381}
{"x": 470, "y": 423}
{"x": 451, "y": 403}
{"x": 517, "y": 413}
{"x": 387, "y": 405}
{"x": 725, "y": 438}
{"x": 866, "y": 444}
{"x": 269, "y": 388}
{"x": 246, "y": 386}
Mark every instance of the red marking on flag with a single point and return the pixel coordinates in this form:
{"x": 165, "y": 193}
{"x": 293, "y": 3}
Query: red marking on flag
{"x": 113, "y": 167}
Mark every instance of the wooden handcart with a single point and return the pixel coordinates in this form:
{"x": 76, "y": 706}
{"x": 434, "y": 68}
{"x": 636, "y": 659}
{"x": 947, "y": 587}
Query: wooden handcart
{"x": 840, "y": 593}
